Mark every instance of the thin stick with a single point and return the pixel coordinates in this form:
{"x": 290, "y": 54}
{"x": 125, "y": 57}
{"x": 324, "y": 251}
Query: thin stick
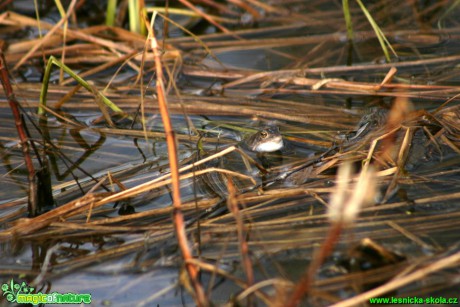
{"x": 174, "y": 167}
{"x": 32, "y": 191}
{"x": 232, "y": 204}
{"x": 303, "y": 286}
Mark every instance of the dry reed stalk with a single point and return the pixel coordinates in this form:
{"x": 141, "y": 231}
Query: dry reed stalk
{"x": 205, "y": 16}
{"x": 242, "y": 284}
{"x": 30, "y": 225}
{"x": 302, "y": 220}
{"x": 192, "y": 271}
{"x": 343, "y": 211}
{"x": 93, "y": 201}
{"x": 255, "y": 14}
{"x": 70, "y": 35}
{"x": 32, "y": 192}
{"x": 49, "y": 34}
{"x": 106, "y": 64}
{"x": 232, "y": 204}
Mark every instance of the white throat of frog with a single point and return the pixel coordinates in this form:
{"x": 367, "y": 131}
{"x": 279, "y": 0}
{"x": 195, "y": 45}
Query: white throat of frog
{"x": 270, "y": 146}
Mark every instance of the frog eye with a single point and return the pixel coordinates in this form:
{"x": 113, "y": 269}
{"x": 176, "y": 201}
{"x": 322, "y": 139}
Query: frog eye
{"x": 263, "y": 134}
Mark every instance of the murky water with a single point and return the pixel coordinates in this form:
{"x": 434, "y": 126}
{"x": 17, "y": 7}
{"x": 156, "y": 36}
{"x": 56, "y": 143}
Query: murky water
{"x": 124, "y": 253}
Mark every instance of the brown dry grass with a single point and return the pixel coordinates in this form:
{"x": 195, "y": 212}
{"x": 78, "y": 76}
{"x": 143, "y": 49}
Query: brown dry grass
{"x": 266, "y": 227}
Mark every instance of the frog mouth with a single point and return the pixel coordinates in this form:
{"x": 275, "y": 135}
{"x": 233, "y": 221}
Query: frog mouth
{"x": 272, "y": 145}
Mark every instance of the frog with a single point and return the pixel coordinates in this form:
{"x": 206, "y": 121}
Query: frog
{"x": 266, "y": 139}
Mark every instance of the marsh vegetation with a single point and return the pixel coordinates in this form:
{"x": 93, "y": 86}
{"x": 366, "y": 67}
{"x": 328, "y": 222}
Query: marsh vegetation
{"x": 142, "y": 195}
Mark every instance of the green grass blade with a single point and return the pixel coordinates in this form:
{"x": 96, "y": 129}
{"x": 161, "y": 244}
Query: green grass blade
{"x": 46, "y": 78}
{"x": 133, "y": 10}
{"x": 347, "y": 15}
{"x": 136, "y": 23}
{"x": 378, "y": 32}
{"x": 111, "y": 12}
{"x": 60, "y": 8}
